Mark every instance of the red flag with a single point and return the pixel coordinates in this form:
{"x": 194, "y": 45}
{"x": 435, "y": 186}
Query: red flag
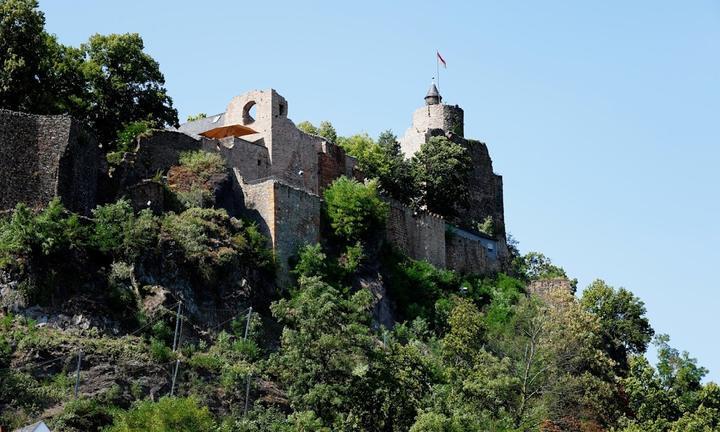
{"x": 442, "y": 60}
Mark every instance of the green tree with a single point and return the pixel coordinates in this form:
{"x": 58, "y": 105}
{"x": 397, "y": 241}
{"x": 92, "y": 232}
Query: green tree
{"x": 441, "y": 169}
{"x": 395, "y": 175}
{"x": 562, "y": 376}
{"x": 125, "y": 85}
{"x": 624, "y": 328}
{"x": 536, "y": 265}
{"x": 22, "y": 50}
{"x": 327, "y": 131}
{"x": 324, "y": 348}
{"x": 167, "y": 415}
{"x": 307, "y": 127}
{"x": 355, "y": 209}
{"x": 197, "y": 116}
{"x": 671, "y": 396}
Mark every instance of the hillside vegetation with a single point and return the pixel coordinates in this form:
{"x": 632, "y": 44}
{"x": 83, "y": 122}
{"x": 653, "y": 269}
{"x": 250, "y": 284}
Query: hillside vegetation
{"x": 134, "y": 320}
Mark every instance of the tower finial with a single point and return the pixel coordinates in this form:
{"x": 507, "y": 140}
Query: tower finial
{"x": 433, "y": 95}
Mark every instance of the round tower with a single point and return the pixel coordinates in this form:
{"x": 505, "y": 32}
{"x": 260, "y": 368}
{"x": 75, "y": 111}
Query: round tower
{"x": 428, "y": 119}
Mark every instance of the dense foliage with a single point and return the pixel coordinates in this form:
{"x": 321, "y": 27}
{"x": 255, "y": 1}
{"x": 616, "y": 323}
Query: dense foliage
{"x": 108, "y": 82}
{"x": 355, "y": 210}
{"x": 434, "y": 179}
{"x": 467, "y": 352}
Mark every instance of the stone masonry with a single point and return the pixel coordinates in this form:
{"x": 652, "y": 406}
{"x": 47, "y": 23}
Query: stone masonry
{"x": 42, "y": 157}
{"x": 278, "y": 176}
{"x": 486, "y": 189}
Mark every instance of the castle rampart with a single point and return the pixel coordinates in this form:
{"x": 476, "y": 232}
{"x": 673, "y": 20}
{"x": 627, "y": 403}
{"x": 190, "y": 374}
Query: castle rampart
{"x": 45, "y": 157}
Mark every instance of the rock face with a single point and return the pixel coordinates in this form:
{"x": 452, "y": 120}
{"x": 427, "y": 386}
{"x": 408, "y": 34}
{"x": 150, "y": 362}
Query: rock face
{"x": 45, "y": 157}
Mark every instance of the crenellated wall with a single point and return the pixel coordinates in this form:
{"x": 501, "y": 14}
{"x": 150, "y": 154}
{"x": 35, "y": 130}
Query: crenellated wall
{"x": 420, "y": 236}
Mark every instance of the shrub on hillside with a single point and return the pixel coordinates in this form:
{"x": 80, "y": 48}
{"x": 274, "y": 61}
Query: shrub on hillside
{"x": 355, "y": 209}
{"x": 126, "y": 140}
{"x": 210, "y": 240}
{"x": 193, "y": 180}
{"x": 52, "y": 231}
{"x": 166, "y": 415}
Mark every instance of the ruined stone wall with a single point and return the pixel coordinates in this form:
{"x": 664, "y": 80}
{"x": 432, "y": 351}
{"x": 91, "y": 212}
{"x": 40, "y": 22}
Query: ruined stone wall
{"x": 293, "y": 154}
{"x": 157, "y": 153}
{"x": 251, "y": 158}
{"x": 79, "y": 169}
{"x": 288, "y": 216}
{"x": 297, "y": 223}
{"x": 46, "y": 156}
{"x": 449, "y": 118}
{"x": 421, "y": 236}
{"x": 258, "y": 203}
{"x": 466, "y": 254}
{"x": 486, "y": 189}
{"x": 333, "y": 162}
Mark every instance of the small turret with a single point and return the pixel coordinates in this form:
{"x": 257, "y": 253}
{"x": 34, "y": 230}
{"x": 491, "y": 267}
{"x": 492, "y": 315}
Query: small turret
{"x": 433, "y": 96}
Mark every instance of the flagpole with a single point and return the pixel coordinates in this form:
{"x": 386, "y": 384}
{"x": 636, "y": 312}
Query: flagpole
{"x": 437, "y": 67}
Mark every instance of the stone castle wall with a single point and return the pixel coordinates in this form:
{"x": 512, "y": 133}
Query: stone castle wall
{"x": 486, "y": 189}
{"x": 420, "y": 236}
{"x": 251, "y": 158}
{"x": 466, "y": 254}
{"x": 333, "y": 163}
{"x": 546, "y": 287}
{"x": 293, "y": 154}
{"x": 288, "y": 216}
{"x": 44, "y": 157}
{"x": 297, "y": 223}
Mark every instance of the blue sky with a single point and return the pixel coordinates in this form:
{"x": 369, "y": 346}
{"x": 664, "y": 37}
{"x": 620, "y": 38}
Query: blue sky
{"x": 602, "y": 117}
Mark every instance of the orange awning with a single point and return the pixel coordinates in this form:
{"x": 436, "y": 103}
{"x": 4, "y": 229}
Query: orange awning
{"x": 235, "y": 130}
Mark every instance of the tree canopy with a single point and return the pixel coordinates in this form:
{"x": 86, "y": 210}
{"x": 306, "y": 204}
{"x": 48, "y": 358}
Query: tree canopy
{"x": 108, "y": 82}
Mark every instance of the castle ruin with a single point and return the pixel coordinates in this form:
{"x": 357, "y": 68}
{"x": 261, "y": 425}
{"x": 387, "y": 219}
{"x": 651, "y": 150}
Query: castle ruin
{"x": 278, "y": 175}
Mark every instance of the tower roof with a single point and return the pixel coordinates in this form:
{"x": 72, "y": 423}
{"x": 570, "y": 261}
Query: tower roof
{"x": 433, "y": 96}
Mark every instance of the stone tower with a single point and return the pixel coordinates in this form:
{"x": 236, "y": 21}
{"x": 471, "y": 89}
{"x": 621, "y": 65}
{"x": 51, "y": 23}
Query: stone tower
{"x": 293, "y": 155}
{"x": 486, "y": 188}
{"x": 428, "y": 119}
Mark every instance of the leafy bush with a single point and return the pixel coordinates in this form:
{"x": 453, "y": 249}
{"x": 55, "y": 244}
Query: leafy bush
{"x": 203, "y": 164}
{"x": 351, "y": 259}
{"x": 81, "y": 415}
{"x": 355, "y": 209}
{"x": 122, "y": 234}
{"x": 416, "y": 285}
{"x": 198, "y": 233}
{"x": 126, "y": 138}
{"x": 312, "y": 262}
{"x": 53, "y": 231}
{"x": 192, "y": 179}
{"x": 160, "y": 352}
{"x": 167, "y": 415}
{"x": 212, "y": 242}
